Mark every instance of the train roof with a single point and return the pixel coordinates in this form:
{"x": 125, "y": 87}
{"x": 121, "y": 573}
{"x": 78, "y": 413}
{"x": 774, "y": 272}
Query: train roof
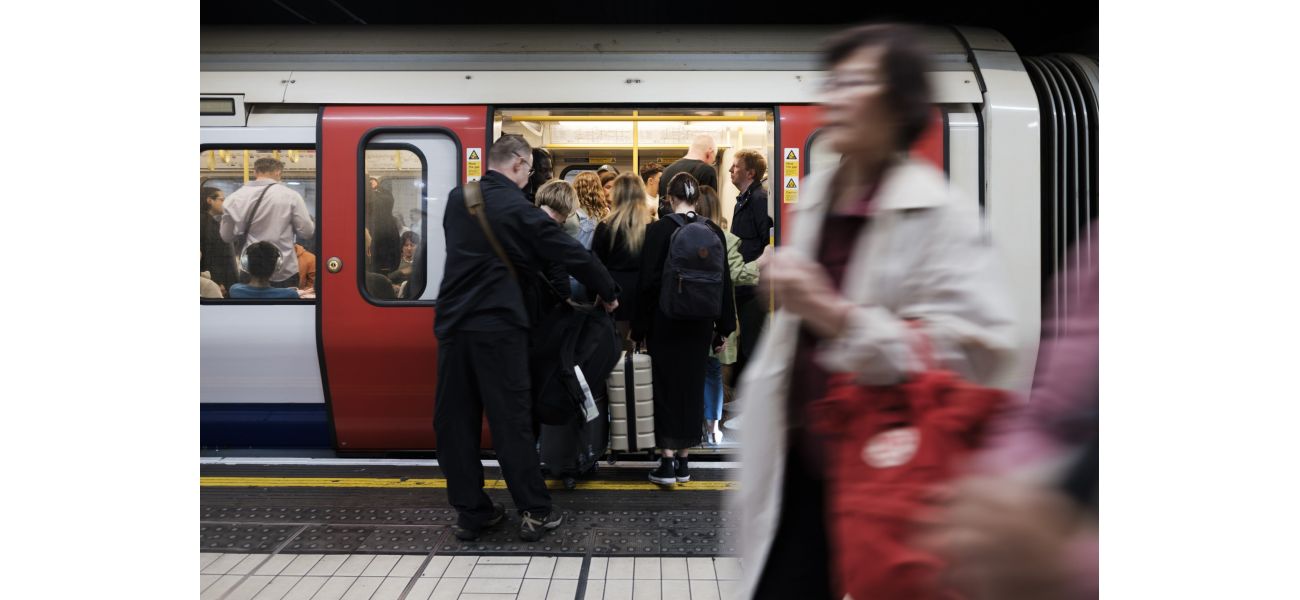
{"x": 542, "y": 47}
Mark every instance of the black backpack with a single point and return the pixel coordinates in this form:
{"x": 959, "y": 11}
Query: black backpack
{"x": 692, "y": 282}
{"x": 570, "y": 341}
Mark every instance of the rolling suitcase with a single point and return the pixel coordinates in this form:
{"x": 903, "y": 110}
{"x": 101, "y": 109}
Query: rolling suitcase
{"x": 637, "y": 433}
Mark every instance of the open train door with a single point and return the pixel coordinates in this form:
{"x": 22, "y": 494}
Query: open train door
{"x": 799, "y": 153}
{"x": 386, "y": 170}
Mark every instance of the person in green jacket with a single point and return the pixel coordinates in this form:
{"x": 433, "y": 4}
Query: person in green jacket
{"x": 742, "y": 273}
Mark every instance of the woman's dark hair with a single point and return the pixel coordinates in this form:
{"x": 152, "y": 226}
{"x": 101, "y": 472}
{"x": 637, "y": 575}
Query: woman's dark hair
{"x": 904, "y": 64}
{"x": 205, "y": 193}
{"x": 684, "y": 186}
{"x": 412, "y": 236}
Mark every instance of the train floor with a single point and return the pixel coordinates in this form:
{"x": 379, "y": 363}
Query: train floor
{"x": 321, "y": 529}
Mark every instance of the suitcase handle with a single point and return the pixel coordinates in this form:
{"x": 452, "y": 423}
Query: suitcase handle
{"x": 629, "y": 397}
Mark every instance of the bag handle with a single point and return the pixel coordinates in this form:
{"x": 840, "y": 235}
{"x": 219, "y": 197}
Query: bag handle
{"x": 922, "y": 345}
{"x": 629, "y": 397}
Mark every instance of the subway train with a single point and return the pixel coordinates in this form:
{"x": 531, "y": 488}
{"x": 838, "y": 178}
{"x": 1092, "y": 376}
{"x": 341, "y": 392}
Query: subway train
{"x": 399, "y": 117}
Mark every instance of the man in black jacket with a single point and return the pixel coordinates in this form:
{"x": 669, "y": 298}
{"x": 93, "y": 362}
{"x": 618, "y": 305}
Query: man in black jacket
{"x": 749, "y": 220}
{"x": 750, "y": 223}
{"x": 482, "y": 328}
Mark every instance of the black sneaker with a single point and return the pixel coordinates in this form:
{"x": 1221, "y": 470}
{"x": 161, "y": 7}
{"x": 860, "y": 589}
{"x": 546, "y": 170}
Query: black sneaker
{"x": 532, "y": 528}
{"x": 467, "y": 534}
{"x": 666, "y": 473}
{"x": 682, "y": 472}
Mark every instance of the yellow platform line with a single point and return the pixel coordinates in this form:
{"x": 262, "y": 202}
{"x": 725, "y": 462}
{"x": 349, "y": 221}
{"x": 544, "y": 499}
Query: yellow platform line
{"x": 439, "y": 483}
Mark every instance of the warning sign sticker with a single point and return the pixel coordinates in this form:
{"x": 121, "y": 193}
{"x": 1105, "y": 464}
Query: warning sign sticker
{"x": 791, "y": 156}
{"x": 473, "y": 164}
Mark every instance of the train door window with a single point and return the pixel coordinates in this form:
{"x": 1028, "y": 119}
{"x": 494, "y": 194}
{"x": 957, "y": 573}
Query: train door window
{"x": 820, "y": 155}
{"x": 406, "y": 179}
{"x": 228, "y": 180}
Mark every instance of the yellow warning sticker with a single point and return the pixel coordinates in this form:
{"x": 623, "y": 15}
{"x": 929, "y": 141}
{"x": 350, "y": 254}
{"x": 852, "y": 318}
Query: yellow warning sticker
{"x": 473, "y": 164}
{"x": 791, "y": 173}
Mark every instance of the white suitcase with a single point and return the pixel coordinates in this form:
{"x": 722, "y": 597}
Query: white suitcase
{"x": 640, "y": 405}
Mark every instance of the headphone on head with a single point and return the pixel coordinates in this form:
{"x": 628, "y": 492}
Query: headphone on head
{"x": 243, "y": 259}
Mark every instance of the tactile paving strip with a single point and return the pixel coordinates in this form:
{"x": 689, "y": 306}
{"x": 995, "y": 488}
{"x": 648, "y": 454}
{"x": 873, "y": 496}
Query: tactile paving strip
{"x": 229, "y": 537}
{"x": 330, "y": 538}
{"x": 613, "y": 519}
{"x": 357, "y": 516}
{"x": 404, "y": 540}
{"x": 698, "y": 542}
{"x": 626, "y": 542}
{"x": 696, "y": 518}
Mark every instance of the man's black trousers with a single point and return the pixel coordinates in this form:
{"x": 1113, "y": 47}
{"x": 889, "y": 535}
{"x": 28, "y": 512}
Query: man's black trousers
{"x": 480, "y": 371}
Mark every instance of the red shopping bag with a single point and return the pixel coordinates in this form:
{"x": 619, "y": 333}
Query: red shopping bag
{"x": 888, "y": 447}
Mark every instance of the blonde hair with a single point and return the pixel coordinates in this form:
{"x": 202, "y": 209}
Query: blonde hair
{"x": 709, "y": 206}
{"x": 629, "y": 216}
{"x": 591, "y": 194}
{"x": 557, "y": 195}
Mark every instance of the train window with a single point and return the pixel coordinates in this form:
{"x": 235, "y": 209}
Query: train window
{"x": 395, "y": 229}
{"x": 820, "y": 155}
{"x": 229, "y": 186}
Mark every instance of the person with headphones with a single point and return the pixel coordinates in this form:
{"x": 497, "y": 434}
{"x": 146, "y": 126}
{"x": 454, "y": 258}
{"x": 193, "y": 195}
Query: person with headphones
{"x": 261, "y": 260}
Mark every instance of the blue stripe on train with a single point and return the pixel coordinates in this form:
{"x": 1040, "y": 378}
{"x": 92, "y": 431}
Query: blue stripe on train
{"x": 263, "y": 426}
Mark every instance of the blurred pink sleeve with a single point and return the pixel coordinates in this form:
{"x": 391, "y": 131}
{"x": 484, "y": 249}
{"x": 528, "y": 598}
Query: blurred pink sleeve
{"x": 1061, "y": 412}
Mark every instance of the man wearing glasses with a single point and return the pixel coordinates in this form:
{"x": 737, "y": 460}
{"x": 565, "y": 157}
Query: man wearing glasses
{"x": 482, "y": 327}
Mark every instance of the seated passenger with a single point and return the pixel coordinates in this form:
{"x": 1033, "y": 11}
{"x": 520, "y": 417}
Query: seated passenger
{"x": 207, "y": 287}
{"x": 410, "y": 241}
{"x": 261, "y": 260}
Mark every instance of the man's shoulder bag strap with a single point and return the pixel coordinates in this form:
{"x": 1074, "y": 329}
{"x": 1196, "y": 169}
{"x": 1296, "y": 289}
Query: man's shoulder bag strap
{"x": 474, "y": 204}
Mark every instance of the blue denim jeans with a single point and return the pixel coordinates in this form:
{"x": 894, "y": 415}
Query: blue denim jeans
{"x": 712, "y": 389}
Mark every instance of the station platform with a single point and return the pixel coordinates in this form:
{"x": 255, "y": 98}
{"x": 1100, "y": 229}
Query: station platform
{"x": 380, "y": 529}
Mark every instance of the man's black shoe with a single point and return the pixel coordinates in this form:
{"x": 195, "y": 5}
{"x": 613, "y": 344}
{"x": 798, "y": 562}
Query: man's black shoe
{"x": 468, "y": 535}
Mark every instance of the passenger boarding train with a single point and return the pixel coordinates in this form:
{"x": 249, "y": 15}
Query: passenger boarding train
{"x": 353, "y": 369}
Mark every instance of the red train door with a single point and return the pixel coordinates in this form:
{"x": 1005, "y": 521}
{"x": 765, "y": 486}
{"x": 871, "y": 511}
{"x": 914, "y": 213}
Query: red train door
{"x": 799, "y": 154}
{"x": 385, "y": 174}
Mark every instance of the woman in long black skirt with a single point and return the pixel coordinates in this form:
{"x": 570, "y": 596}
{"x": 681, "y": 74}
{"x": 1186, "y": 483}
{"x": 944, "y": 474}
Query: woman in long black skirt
{"x": 678, "y": 347}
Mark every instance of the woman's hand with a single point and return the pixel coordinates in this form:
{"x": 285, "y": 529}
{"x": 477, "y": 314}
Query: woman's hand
{"x": 802, "y": 287}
